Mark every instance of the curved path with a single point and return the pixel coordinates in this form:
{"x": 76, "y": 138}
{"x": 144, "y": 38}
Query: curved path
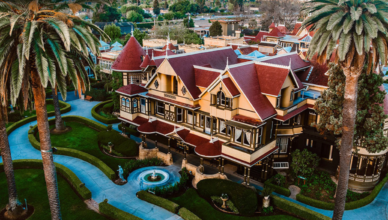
{"x": 124, "y": 197}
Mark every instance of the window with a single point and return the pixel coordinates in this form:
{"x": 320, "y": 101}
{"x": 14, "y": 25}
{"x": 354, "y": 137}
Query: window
{"x": 221, "y": 98}
{"x": 238, "y": 135}
{"x": 286, "y": 122}
{"x": 312, "y": 118}
{"x": 143, "y": 106}
{"x": 175, "y": 89}
{"x": 270, "y": 135}
{"x": 160, "y": 108}
{"x": 228, "y": 103}
{"x": 202, "y": 121}
{"x": 184, "y": 90}
{"x": 298, "y": 119}
{"x": 156, "y": 84}
{"x": 278, "y": 100}
{"x": 135, "y": 103}
{"x": 307, "y": 142}
{"x": 228, "y": 130}
{"x": 292, "y": 96}
{"x": 190, "y": 117}
{"x": 259, "y": 136}
{"x": 222, "y": 127}
{"x": 247, "y": 137}
{"x": 326, "y": 151}
{"x": 123, "y": 102}
{"x": 282, "y": 143}
{"x": 179, "y": 114}
{"x": 128, "y": 103}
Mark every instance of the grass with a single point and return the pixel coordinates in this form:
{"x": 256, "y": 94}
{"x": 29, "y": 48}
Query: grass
{"x": 31, "y": 185}
{"x": 200, "y": 207}
{"x": 84, "y": 138}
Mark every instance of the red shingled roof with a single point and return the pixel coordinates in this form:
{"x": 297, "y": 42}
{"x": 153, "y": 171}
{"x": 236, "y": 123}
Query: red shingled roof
{"x": 204, "y": 78}
{"x": 248, "y": 81}
{"x": 276, "y": 33}
{"x": 272, "y": 25}
{"x": 131, "y": 89}
{"x": 271, "y": 78}
{"x": 317, "y": 75}
{"x": 146, "y": 62}
{"x": 209, "y": 149}
{"x": 292, "y": 114}
{"x": 156, "y": 127}
{"x": 231, "y": 87}
{"x": 183, "y": 65}
{"x": 130, "y": 57}
{"x": 137, "y": 121}
{"x": 190, "y": 138}
{"x": 296, "y": 62}
{"x": 296, "y": 28}
{"x": 170, "y": 46}
{"x": 247, "y": 50}
{"x": 173, "y": 101}
{"x": 247, "y": 120}
{"x": 282, "y": 29}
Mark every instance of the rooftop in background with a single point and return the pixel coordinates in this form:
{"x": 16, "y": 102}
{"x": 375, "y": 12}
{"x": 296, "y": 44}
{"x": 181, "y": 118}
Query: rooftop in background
{"x": 125, "y": 27}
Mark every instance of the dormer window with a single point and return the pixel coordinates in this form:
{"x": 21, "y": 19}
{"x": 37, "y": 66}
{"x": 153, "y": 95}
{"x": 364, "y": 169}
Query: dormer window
{"x": 221, "y": 98}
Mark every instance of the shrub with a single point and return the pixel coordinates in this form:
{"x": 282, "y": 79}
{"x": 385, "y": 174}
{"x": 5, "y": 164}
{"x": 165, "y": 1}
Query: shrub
{"x": 242, "y": 197}
{"x": 109, "y": 128}
{"x": 132, "y": 165}
{"x": 122, "y": 145}
{"x": 304, "y": 162}
{"x": 297, "y": 209}
{"x": 107, "y": 108}
{"x": 279, "y": 180}
{"x": 278, "y": 189}
{"x": 129, "y": 130}
{"x": 187, "y": 215}
{"x": 95, "y": 113}
{"x": 229, "y": 203}
{"x": 98, "y": 94}
{"x": 172, "y": 188}
{"x": 159, "y": 201}
{"x": 112, "y": 212}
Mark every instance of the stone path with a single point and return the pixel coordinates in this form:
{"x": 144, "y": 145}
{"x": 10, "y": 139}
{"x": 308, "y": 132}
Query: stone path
{"x": 124, "y": 197}
{"x": 294, "y": 191}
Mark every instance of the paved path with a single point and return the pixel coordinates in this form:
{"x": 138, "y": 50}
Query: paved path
{"x": 124, "y": 197}
{"x": 294, "y": 191}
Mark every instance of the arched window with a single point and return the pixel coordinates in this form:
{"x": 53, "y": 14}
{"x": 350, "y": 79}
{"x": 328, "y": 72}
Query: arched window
{"x": 123, "y": 101}
{"x": 220, "y": 98}
{"x": 135, "y": 103}
{"x": 127, "y": 103}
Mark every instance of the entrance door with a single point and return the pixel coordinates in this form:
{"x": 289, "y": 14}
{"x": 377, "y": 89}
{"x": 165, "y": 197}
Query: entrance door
{"x": 207, "y": 125}
{"x": 143, "y": 106}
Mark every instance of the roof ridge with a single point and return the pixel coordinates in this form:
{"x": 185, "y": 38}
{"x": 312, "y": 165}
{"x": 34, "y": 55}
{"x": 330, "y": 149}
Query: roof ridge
{"x": 208, "y": 68}
{"x": 277, "y": 56}
{"x": 272, "y": 65}
{"x": 241, "y": 64}
{"x": 196, "y": 52}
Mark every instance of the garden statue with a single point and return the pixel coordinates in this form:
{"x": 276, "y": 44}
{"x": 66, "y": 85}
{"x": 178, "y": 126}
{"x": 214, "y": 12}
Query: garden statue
{"x": 154, "y": 176}
{"x": 110, "y": 145}
{"x": 121, "y": 172}
{"x": 224, "y": 198}
{"x": 267, "y": 191}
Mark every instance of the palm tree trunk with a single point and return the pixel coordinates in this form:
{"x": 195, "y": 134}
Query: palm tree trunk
{"x": 45, "y": 145}
{"x": 59, "y": 125}
{"x": 349, "y": 113}
{"x": 7, "y": 162}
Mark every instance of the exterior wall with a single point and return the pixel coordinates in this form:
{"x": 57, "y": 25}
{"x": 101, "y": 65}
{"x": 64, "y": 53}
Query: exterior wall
{"x": 155, "y": 153}
{"x": 287, "y": 88}
{"x": 199, "y": 175}
{"x": 218, "y": 42}
{"x": 157, "y": 42}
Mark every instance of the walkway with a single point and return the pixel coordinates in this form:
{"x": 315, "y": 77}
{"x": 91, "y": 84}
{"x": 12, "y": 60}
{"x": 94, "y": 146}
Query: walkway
{"x": 124, "y": 197}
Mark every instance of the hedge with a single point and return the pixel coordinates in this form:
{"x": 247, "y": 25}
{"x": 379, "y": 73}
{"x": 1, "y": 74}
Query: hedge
{"x": 187, "y": 215}
{"x": 125, "y": 146}
{"x": 278, "y": 189}
{"x": 65, "y": 107}
{"x": 159, "y": 201}
{"x": 297, "y": 209}
{"x": 349, "y": 205}
{"x": 129, "y": 130}
{"x": 73, "y": 180}
{"x": 100, "y": 117}
{"x": 114, "y": 213}
{"x": 72, "y": 152}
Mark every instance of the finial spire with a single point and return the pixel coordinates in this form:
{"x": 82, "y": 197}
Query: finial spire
{"x": 152, "y": 54}
{"x": 227, "y": 62}
{"x": 146, "y": 50}
{"x": 289, "y": 66}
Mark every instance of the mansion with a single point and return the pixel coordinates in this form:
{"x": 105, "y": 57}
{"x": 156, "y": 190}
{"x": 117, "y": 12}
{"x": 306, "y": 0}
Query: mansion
{"x": 247, "y": 113}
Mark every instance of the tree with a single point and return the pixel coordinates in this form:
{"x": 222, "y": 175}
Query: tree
{"x": 215, "y": 29}
{"x": 165, "y": 4}
{"x": 117, "y": 82}
{"x": 112, "y": 31}
{"x": 201, "y": 5}
{"x": 169, "y": 16}
{"x": 304, "y": 163}
{"x": 156, "y": 8}
{"x": 134, "y": 16}
{"x": 49, "y": 46}
{"x": 138, "y": 35}
{"x": 360, "y": 27}
{"x": 188, "y": 23}
{"x": 108, "y": 14}
{"x": 280, "y": 11}
{"x": 218, "y": 3}
{"x": 252, "y": 23}
{"x": 183, "y": 7}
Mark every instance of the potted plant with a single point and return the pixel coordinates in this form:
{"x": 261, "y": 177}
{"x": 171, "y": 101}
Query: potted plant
{"x": 110, "y": 145}
{"x": 267, "y": 191}
{"x": 224, "y": 198}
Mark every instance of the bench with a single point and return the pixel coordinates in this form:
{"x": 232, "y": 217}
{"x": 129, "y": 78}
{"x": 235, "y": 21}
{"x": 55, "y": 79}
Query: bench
{"x": 89, "y": 98}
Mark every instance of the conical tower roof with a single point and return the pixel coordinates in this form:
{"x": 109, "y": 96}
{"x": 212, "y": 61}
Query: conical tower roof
{"x": 130, "y": 57}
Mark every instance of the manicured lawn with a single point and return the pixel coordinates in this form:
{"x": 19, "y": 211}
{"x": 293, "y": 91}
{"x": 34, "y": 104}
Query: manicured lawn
{"x": 199, "y": 206}
{"x": 83, "y": 138}
{"x": 31, "y": 185}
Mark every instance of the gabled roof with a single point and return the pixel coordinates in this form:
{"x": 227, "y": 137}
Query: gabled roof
{"x": 256, "y": 54}
{"x": 116, "y": 44}
{"x": 282, "y": 29}
{"x": 183, "y": 64}
{"x": 297, "y": 62}
{"x": 130, "y": 57}
{"x": 315, "y": 74}
{"x": 296, "y": 28}
{"x": 116, "y": 48}
{"x": 271, "y": 78}
{"x": 131, "y": 89}
{"x": 276, "y": 33}
{"x": 231, "y": 87}
{"x": 170, "y": 46}
{"x": 203, "y": 77}
{"x": 272, "y": 25}
{"x": 247, "y": 50}
{"x": 248, "y": 81}
{"x": 146, "y": 61}
{"x": 237, "y": 52}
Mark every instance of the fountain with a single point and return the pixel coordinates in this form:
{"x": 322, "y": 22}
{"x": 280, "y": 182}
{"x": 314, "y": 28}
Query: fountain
{"x": 155, "y": 177}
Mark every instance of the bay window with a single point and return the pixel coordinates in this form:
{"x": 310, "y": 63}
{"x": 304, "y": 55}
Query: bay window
{"x": 247, "y": 138}
{"x": 160, "y": 108}
{"x": 259, "y": 135}
{"x": 238, "y": 135}
{"x": 222, "y": 127}
{"x": 190, "y": 117}
{"x": 282, "y": 143}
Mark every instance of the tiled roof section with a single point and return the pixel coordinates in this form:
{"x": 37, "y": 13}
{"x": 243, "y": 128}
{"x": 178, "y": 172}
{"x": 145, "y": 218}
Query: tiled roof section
{"x": 209, "y": 149}
{"x": 247, "y": 120}
{"x": 282, "y": 29}
{"x": 190, "y": 138}
{"x": 271, "y": 78}
{"x": 183, "y": 65}
{"x": 234, "y": 47}
{"x": 156, "y": 126}
{"x": 170, "y": 46}
{"x": 231, "y": 87}
{"x": 130, "y": 57}
{"x": 261, "y": 36}
{"x": 146, "y": 62}
{"x": 131, "y": 89}
{"x": 296, "y": 28}
{"x": 315, "y": 74}
{"x": 247, "y": 50}
{"x": 159, "y": 53}
{"x": 248, "y": 81}
{"x": 296, "y": 62}
{"x": 137, "y": 121}
{"x": 204, "y": 78}
{"x": 272, "y": 25}
{"x": 292, "y": 114}
{"x": 276, "y": 33}
{"x": 173, "y": 101}
{"x": 303, "y": 37}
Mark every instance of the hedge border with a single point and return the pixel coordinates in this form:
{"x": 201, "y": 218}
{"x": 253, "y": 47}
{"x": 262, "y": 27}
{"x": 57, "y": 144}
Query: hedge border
{"x": 349, "y": 205}
{"x": 115, "y": 213}
{"x": 72, "y": 152}
{"x": 187, "y": 214}
{"x": 101, "y": 118}
{"x": 66, "y": 108}
{"x": 158, "y": 201}
{"x": 278, "y": 189}
{"x": 297, "y": 209}
{"x": 65, "y": 172}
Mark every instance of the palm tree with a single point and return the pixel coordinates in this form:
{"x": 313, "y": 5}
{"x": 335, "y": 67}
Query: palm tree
{"x": 45, "y": 42}
{"x": 359, "y": 28}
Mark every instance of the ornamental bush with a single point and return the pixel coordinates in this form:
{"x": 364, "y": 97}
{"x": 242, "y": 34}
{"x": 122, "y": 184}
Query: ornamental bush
{"x": 304, "y": 162}
{"x": 122, "y": 145}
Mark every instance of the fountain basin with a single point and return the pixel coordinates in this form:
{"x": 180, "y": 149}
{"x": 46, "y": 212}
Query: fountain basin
{"x": 162, "y": 177}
